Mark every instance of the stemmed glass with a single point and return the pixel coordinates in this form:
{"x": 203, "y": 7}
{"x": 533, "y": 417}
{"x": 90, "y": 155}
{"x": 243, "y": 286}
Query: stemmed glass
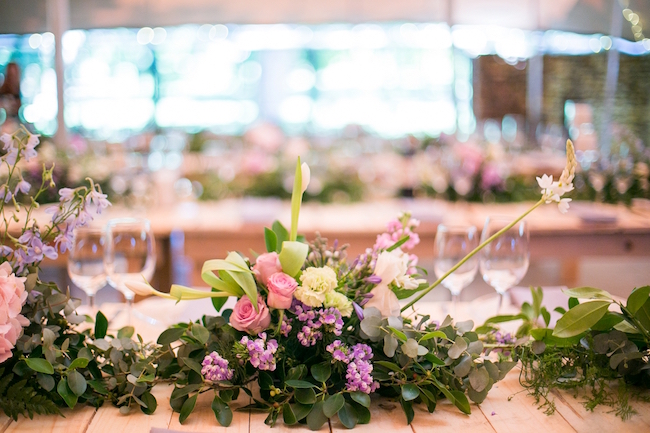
{"x": 130, "y": 254}
{"x": 504, "y": 261}
{"x": 86, "y": 261}
{"x": 451, "y": 245}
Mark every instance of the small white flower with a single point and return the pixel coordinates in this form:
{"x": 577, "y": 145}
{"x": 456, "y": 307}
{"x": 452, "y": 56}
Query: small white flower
{"x": 7, "y": 140}
{"x": 306, "y": 176}
{"x": 545, "y": 182}
{"x": 22, "y": 186}
{"x": 66, "y": 194}
{"x": 33, "y": 141}
{"x": 563, "y": 205}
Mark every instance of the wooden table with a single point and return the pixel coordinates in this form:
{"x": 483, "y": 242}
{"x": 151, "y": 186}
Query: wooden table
{"x": 495, "y": 414}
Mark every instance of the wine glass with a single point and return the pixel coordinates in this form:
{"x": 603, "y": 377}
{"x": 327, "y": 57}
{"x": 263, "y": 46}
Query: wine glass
{"x": 504, "y": 261}
{"x": 129, "y": 255}
{"x": 86, "y": 261}
{"x": 452, "y": 243}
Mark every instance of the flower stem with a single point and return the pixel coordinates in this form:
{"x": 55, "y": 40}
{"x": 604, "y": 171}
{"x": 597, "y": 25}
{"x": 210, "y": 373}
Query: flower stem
{"x": 472, "y": 253}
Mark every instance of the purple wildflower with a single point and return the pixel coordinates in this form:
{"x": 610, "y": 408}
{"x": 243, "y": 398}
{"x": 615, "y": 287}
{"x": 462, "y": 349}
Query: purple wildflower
{"x": 358, "y": 310}
{"x": 259, "y": 352}
{"x": 361, "y": 351}
{"x": 215, "y": 368}
{"x": 285, "y": 327}
{"x": 373, "y": 279}
{"x": 339, "y": 351}
{"x": 22, "y": 186}
{"x": 359, "y": 378}
{"x": 5, "y": 251}
{"x": 308, "y": 336}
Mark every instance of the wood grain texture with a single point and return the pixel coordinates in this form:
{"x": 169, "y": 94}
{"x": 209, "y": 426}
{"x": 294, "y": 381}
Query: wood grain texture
{"x": 385, "y": 416}
{"x": 520, "y": 412}
{"x": 448, "y": 419}
{"x": 75, "y": 421}
{"x": 4, "y": 422}
{"x": 203, "y": 419}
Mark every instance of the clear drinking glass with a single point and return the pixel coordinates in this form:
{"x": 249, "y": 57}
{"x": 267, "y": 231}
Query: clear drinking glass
{"x": 452, "y": 243}
{"x": 504, "y": 261}
{"x": 130, "y": 254}
{"x": 86, "y": 261}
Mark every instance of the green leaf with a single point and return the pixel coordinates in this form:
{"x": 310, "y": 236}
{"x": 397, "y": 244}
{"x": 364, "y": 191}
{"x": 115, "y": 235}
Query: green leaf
{"x": 192, "y": 364}
{"x": 300, "y": 410}
{"x": 281, "y": 233}
{"x": 333, "y": 404}
{"x": 170, "y": 335}
{"x": 321, "y": 372}
{"x": 433, "y": 334}
{"x": 305, "y": 395}
{"x": 608, "y": 321}
{"x": 479, "y": 379}
{"x": 410, "y": 392}
{"x": 434, "y": 359}
{"x": 64, "y": 391}
{"x": 126, "y": 332}
{"x": 461, "y": 401}
{"x": 77, "y": 383}
{"x": 637, "y": 298}
{"x": 361, "y": 397}
{"x": 407, "y": 407}
{"x": 101, "y": 325}
{"x": 546, "y": 315}
{"x": 78, "y": 363}
{"x": 46, "y": 381}
{"x": 348, "y": 416}
{"x": 573, "y": 302}
{"x": 200, "y": 332}
{"x": 187, "y": 408}
{"x": 399, "y": 334}
{"x": 265, "y": 380}
{"x": 363, "y": 413}
{"x": 221, "y": 410}
{"x": 587, "y": 293}
{"x": 218, "y": 303}
{"x": 40, "y": 365}
{"x": 389, "y": 365}
{"x": 150, "y": 401}
{"x": 316, "y": 417}
{"x": 580, "y": 318}
{"x": 299, "y": 384}
{"x": 459, "y": 346}
{"x": 292, "y": 257}
{"x": 298, "y": 372}
{"x": 270, "y": 239}
{"x": 288, "y": 416}
{"x": 643, "y": 315}
{"x": 399, "y": 243}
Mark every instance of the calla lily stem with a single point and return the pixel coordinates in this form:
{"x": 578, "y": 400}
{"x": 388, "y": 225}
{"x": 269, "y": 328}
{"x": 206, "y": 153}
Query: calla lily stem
{"x": 471, "y": 254}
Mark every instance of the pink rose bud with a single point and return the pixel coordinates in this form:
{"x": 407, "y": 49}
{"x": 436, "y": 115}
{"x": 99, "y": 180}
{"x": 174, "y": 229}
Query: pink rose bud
{"x": 281, "y": 287}
{"x": 266, "y": 265}
{"x": 244, "y": 317}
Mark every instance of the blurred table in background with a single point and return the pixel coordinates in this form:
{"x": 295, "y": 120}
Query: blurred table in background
{"x": 189, "y": 233}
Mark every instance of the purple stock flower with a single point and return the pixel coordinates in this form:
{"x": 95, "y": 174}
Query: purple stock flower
{"x": 359, "y": 367}
{"x": 285, "y": 327}
{"x": 316, "y": 322}
{"x": 259, "y": 352}
{"x": 215, "y": 368}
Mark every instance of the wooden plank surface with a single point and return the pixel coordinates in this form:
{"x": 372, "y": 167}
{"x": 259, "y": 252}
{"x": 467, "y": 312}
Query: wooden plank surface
{"x": 75, "y": 421}
{"x": 385, "y": 416}
{"x": 203, "y": 419}
{"x": 4, "y": 422}
{"x": 448, "y": 419}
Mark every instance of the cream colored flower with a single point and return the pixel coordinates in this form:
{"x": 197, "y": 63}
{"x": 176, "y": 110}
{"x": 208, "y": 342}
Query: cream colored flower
{"x": 338, "y": 301}
{"x": 316, "y": 283}
{"x": 553, "y": 191}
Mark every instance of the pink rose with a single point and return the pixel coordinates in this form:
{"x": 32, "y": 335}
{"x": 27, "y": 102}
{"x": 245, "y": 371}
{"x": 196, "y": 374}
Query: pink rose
{"x": 12, "y": 298}
{"x": 266, "y": 265}
{"x": 244, "y": 317}
{"x": 281, "y": 287}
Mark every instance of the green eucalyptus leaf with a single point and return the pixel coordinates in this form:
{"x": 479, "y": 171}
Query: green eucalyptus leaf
{"x": 170, "y": 335}
{"x": 333, "y": 404}
{"x": 101, "y": 325}
{"x": 40, "y": 365}
{"x": 77, "y": 383}
{"x": 580, "y": 318}
{"x": 46, "y": 381}
{"x": 187, "y": 408}
{"x": 390, "y": 345}
{"x": 348, "y": 416}
{"x": 78, "y": 363}
{"x": 457, "y": 349}
{"x": 64, "y": 391}
{"x": 479, "y": 379}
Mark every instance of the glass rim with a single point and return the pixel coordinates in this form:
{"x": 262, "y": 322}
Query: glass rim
{"x": 456, "y": 228}
{"x": 128, "y": 221}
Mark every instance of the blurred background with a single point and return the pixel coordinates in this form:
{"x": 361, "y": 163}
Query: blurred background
{"x": 168, "y": 101}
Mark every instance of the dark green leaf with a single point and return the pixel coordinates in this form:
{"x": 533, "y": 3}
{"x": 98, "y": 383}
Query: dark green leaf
{"x": 288, "y": 416}
{"x": 299, "y": 384}
{"x": 321, "y": 372}
{"x": 218, "y": 302}
{"x": 580, "y": 318}
{"x": 192, "y": 364}
{"x": 222, "y": 411}
{"x": 363, "y": 413}
{"x": 348, "y": 416}
{"x": 399, "y": 334}
{"x": 182, "y": 392}
{"x": 170, "y": 335}
{"x": 300, "y": 410}
{"x": 281, "y": 234}
{"x": 265, "y": 380}
{"x": 333, "y": 404}
{"x": 77, "y": 383}
{"x": 407, "y": 407}
{"x": 226, "y": 395}
{"x": 101, "y": 325}
{"x": 98, "y": 387}
{"x": 64, "y": 391}
{"x": 434, "y": 359}
{"x": 389, "y": 365}
{"x": 271, "y": 240}
{"x": 608, "y": 321}
{"x": 126, "y": 332}
{"x": 461, "y": 401}
{"x": 40, "y": 365}
{"x": 410, "y": 392}
{"x": 78, "y": 363}
{"x": 643, "y": 315}
{"x": 298, "y": 372}
{"x": 150, "y": 401}
{"x": 361, "y": 397}
{"x": 433, "y": 334}
{"x": 46, "y": 381}
{"x": 546, "y": 315}
{"x": 305, "y": 395}
{"x": 316, "y": 417}
{"x": 200, "y": 333}
{"x": 638, "y": 297}
{"x": 187, "y": 408}
{"x": 573, "y": 302}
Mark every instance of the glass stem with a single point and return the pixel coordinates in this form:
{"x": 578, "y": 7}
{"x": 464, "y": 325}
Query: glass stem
{"x": 129, "y": 310}
{"x": 455, "y": 297}
{"x": 91, "y": 302}
{"x": 499, "y": 302}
